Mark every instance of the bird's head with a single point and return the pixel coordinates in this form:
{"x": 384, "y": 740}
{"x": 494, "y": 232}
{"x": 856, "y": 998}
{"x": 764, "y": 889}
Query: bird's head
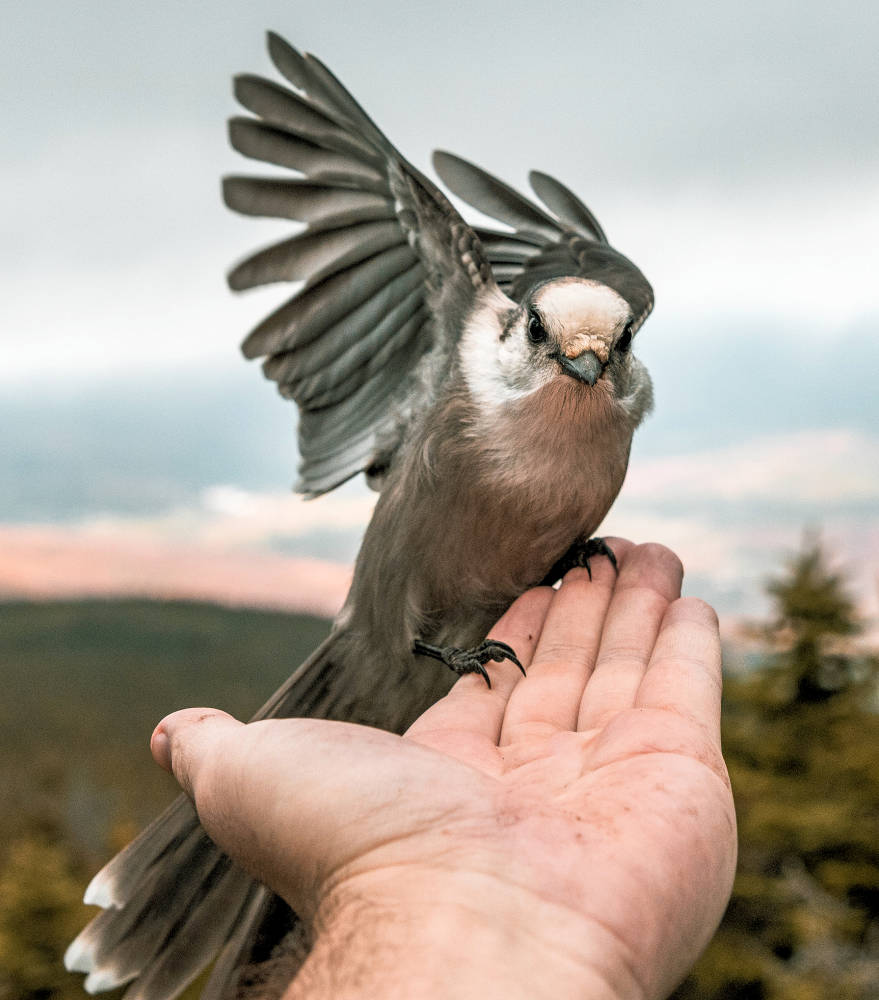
{"x": 573, "y": 333}
{"x": 573, "y": 328}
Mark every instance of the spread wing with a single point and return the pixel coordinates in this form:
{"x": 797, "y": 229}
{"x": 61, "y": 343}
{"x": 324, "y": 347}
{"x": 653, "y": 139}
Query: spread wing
{"x": 389, "y": 267}
{"x": 542, "y": 246}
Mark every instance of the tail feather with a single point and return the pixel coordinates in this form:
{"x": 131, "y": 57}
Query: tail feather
{"x": 119, "y": 878}
{"x": 120, "y": 942}
{"x": 271, "y": 955}
{"x": 174, "y": 903}
{"x": 120, "y": 922}
{"x": 171, "y": 899}
{"x": 197, "y": 938}
{"x": 223, "y": 975}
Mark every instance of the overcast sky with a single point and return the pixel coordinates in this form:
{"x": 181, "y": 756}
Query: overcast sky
{"x": 731, "y": 150}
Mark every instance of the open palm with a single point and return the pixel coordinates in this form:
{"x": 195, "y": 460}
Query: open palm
{"x": 582, "y": 813}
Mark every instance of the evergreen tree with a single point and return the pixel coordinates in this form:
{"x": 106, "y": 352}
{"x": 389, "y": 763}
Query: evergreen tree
{"x": 40, "y": 913}
{"x": 812, "y": 609}
{"x": 801, "y": 739}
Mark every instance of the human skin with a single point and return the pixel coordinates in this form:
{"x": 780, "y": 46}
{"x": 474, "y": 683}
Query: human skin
{"x": 567, "y": 834}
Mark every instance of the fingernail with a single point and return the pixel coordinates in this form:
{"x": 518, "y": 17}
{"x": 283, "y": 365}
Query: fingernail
{"x": 160, "y": 746}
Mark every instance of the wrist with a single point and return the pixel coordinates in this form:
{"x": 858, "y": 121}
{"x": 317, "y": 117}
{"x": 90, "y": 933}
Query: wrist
{"x": 438, "y": 934}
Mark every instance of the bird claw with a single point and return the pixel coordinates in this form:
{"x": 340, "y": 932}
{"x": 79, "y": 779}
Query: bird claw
{"x": 470, "y": 661}
{"x": 578, "y": 556}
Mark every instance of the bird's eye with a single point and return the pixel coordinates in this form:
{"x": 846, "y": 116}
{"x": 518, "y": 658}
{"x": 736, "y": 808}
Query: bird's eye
{"x": 625, "y": 341}
{"x": 536, "y": 332}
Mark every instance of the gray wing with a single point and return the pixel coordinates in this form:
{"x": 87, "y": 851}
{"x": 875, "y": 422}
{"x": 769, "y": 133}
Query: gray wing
{"x": 565, "y": 241}
{"x": 389, "y": 267}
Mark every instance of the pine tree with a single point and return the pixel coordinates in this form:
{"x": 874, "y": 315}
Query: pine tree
{"x": 40, "y": 913}
{"x": 812, "y": 609}
{"x": 801, "y": 739}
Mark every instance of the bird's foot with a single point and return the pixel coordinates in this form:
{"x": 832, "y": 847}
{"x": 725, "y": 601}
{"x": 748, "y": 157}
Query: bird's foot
{"x": 578, "y": 555}
{"x": 469, "y": 661}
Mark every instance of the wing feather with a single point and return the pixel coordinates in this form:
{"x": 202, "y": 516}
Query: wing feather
{"x": 493, "y": 197}
{"x": 332, "y": 246}
{"x": 401, "y": 345}
{"x": 543, "y": 247}
{"x": 338, "y": 356}
{"x": 509, "y": 248}
{"x": 340, "y": 440}
{"x": 310, "y": 75}
{"x": 285, "y": 148}
{"x": 306, "y": 316}
{"x": 390, "y": 269}
{"x": 277, "y": 105}
{"x": 301, "y": 201}
{"x": 566, "y": 205}
{"x": 339, "y": 425}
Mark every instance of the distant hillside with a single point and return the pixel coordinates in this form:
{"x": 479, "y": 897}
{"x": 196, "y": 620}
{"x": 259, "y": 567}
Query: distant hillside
{"x": 85, "y": 682}
{"x": 83, "y": 685}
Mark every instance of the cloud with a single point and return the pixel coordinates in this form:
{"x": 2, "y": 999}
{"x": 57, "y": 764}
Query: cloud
{"x": 724, "y": 148}
{"x": 781, "y": 478}
{"x": 733, "y": 514}
{"x": 48, "y": 563}
{"x": 227, "y": 518}
{"x": 795, "y": 249}
{"x": 830, "y": 467}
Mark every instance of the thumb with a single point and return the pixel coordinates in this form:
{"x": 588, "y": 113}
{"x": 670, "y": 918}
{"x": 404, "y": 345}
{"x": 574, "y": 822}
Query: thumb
{"x": 285, "y": 825}
{"x": 187, "y": 743}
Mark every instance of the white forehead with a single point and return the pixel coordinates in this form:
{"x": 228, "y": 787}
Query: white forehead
{"x": 578, "y": 304}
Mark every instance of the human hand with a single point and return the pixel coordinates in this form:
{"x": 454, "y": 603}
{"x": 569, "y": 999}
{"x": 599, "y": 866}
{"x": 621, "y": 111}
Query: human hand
{"x": 567, "y": 834}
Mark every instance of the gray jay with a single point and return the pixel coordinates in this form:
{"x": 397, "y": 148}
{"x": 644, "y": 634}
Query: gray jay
{"x": 482, "y": 379}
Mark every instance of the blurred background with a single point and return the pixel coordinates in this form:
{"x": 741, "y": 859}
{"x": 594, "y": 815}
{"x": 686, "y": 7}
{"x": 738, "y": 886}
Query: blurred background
{"x": 151, "y": 553}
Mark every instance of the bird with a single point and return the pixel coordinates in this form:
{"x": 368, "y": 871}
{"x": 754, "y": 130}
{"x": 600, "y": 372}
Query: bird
{"x": 484, "y": 381}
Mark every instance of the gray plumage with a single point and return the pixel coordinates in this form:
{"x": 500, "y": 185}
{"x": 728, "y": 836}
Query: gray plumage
{"x": 442, "y": 361}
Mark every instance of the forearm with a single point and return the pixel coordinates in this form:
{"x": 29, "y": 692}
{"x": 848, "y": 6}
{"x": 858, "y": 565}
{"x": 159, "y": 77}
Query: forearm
{"x": 475, "y": 946}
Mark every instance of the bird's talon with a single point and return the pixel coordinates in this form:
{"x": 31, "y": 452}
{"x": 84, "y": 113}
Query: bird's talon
{"x": 500, "y": 645}
{"x": 578, "y": 556}
{"x": 469, "y": 661}
{"x": 608, "y": 551}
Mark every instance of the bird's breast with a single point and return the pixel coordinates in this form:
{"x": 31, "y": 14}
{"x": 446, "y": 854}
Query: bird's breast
{"x": 479, "y": 511}
{"x": 509, "y": 499}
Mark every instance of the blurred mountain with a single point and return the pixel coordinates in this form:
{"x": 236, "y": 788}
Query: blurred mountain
{"x": 85, "y": 683}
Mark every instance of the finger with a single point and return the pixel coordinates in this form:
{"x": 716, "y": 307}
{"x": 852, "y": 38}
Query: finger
{"x": 188, "y": 741}
{"x": 548, "y": 700}
{"x": 650, "y": 578}
{"x": 290, "y": 800}
{"x": 467, "y": 722}
{"x": 684, "y": 673}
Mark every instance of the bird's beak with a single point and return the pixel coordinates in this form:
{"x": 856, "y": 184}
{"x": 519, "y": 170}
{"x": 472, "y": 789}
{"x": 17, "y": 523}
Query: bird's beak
{"x": 586, "y": 367}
